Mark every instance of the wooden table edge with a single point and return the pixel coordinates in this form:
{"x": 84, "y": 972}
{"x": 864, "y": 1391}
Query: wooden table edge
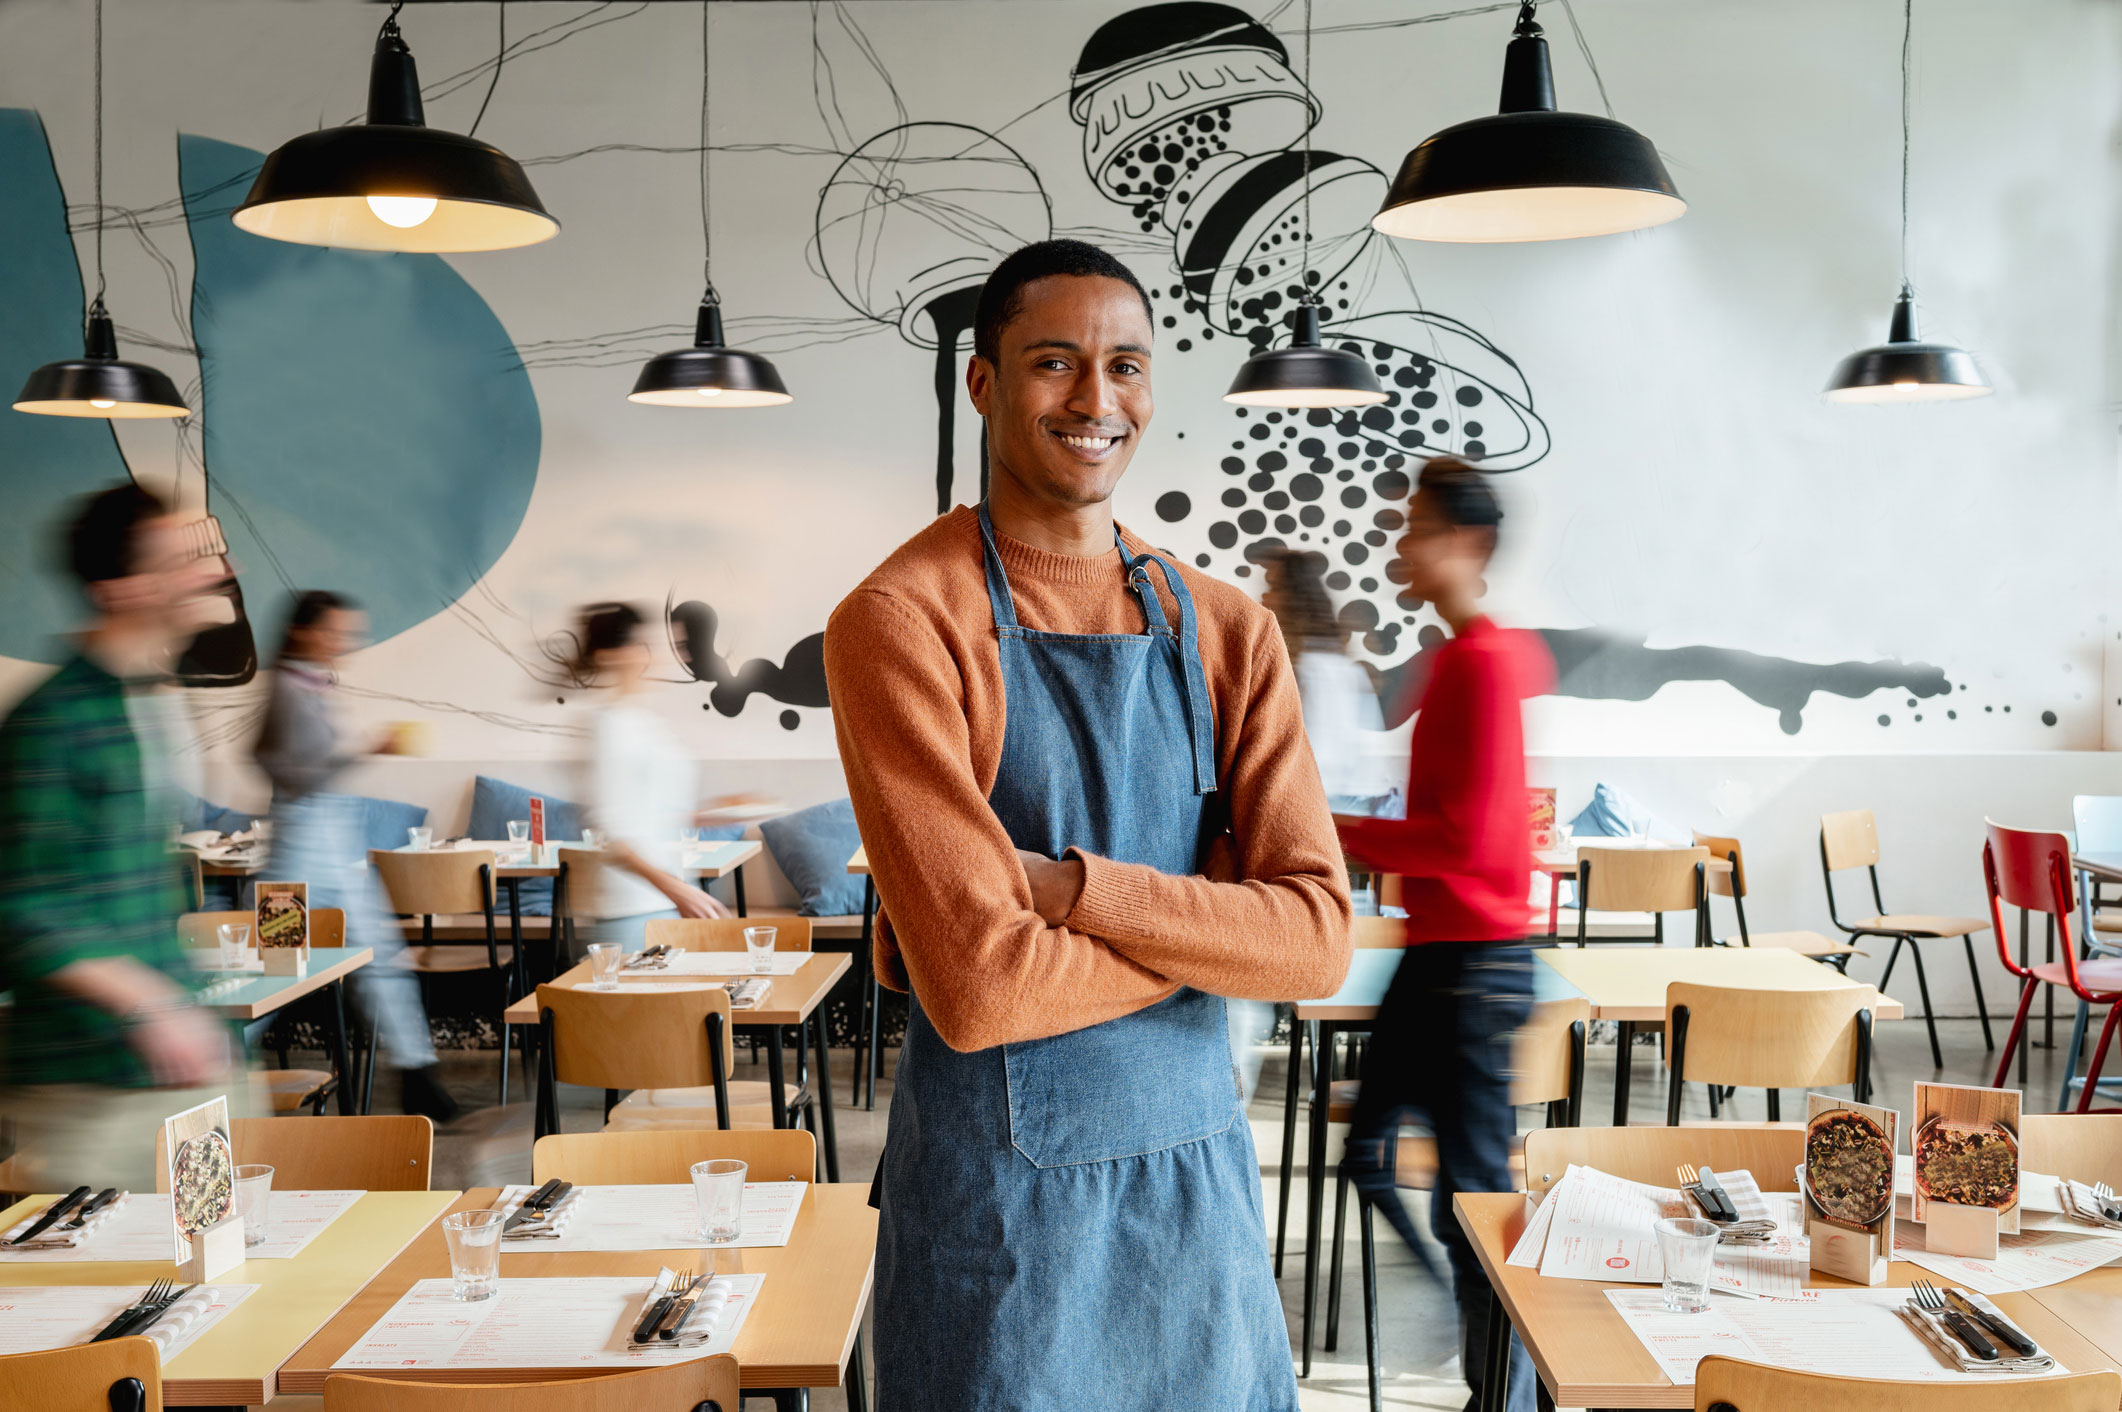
{"x": 303, "y": 986}
{"x": 525, "y": 1010}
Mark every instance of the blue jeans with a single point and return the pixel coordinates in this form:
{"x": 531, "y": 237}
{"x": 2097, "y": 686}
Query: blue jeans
{"x": 1439, "y": 1054}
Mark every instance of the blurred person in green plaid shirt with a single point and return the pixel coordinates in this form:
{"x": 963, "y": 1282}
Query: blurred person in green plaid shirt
{"x": 103, "y": 1040}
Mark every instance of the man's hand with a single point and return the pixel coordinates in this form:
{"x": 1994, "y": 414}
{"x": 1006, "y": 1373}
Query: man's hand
{"x": 181, "y": 1046}
{"x": 1055, "y": 885}
{"x": 696, "y": 903}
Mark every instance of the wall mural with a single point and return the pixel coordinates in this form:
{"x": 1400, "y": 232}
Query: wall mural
{"x": 1188, "y": 118}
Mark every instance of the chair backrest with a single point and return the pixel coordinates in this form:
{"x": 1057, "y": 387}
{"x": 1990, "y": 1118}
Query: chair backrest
{"x": 636, "y": 1039}
{"x": 581, "y": 890}
{"x": 2098, "y": 820}
{"x": 1771, "y": 1151}
{"x": 1377, "y": 933}
{"x": 1640, "y": 879}
{"x": 666, "y": 1156}
{"x": 435, "y": 883}
{"x": 1728, "y": 1385}
{"x": 1733, "y": 883}
{"x": 682, "y": 1387}
{"x": 80, "y": 1378}
{"x": 727, "y": 933}
{"x": 1545, "y": 1056}
{"x": 1849, "y": 840}
{"x": 327, "y": 926}
{"x": 2030, "y": 868}
{"x": 2085, "y": 1147}
{"x": 1768, "y": 1038}
{"x": 383, "y": 1152}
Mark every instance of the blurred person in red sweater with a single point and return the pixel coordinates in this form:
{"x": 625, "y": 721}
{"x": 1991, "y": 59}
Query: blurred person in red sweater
{"x": 1440, "y": 1051}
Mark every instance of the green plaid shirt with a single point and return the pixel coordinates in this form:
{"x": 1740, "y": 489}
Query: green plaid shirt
{"x": 86, "y": 873}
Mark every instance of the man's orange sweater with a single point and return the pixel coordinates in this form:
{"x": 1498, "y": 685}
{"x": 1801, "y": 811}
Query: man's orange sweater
{"x": 916, "y": 683}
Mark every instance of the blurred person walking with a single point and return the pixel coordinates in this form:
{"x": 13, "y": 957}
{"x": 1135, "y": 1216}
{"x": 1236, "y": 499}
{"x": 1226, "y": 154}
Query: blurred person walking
{"x": 1340, "y": 703}
{"x": 318, "y": 833}
{"x": 1440, "y": 1048}
{"x": 641, "y": 786}
{"x": 103, "y": 1041}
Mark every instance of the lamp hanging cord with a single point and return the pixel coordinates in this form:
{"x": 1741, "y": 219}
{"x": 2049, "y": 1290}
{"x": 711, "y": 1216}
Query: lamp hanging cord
{"x": 1308, "y": 296}
{"x": 99, "y": 154}
{"x": 1908, "y": 26}
{"x": 1589, "y": 62}
{"x": 707, "y": 236}
{"x": 500, "y": 58}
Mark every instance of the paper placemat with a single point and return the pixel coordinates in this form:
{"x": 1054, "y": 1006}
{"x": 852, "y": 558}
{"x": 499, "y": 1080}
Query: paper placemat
{"x": 140, "y": 1229}
{"x": 35, "y": 1318}
{"x": 1595, "y": 1226}
{"x": 1850, "y": 1333}
{"x": 2028, "y": 1260}
{"x": 541, "y": 1323}
{"x": 727, "y": 963}
{"x": 658, "y": 1218}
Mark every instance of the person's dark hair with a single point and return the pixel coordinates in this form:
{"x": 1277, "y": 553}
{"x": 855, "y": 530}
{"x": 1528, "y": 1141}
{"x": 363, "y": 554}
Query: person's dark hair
{"x": 1304, "y": 611}
{"x": 1002, "y": 297}
{"x": 603, "y": 627}
{"x": 99, "y": 538}
{"x": 1462, "y": 495}
{"x": 310, "y": 607}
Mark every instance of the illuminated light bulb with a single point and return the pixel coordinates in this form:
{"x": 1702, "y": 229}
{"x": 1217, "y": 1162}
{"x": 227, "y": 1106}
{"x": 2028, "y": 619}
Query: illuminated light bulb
{"x": 403, "y": 212}
{"x": 101, "y": 403}
{"x": 708, "y": 391}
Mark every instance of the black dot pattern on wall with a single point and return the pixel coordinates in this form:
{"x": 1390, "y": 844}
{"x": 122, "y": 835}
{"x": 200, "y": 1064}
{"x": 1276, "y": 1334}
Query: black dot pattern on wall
{"x": 1174, "y": 506}
{"x": 790, "y": 720}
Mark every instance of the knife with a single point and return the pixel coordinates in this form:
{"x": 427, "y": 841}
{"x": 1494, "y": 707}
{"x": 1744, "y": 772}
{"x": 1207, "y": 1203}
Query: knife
{"x": 681, "y": 1311}
{"x": 1708, "y": 1185}
{"x": 645, "y": 1331}
{"x": 2020, "y": 1343}
{"x": 533, "y": 1205}
{"x": 103, "y": 1198}
{"x": 1964, "y": 1329}
{"x": 53, "y": 1212}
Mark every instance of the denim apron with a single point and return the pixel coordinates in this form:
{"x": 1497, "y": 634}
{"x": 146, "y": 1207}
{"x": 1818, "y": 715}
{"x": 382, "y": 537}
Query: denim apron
{"x": 1075, "y": 1221}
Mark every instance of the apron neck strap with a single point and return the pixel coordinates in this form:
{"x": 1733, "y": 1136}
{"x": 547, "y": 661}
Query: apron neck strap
{"x": 1200, "y": 721}
{"x": 998, "y": 599}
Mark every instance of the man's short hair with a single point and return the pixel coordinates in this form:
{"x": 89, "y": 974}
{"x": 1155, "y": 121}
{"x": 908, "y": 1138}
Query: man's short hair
{"x": 1003, "y": 295}
{"x": 101, "y": 538}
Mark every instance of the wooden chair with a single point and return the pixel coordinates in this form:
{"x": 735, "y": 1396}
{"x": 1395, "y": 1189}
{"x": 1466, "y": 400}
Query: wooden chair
{"x": 1771, "y": 1151}
{"x": 2085, "y": 1147}
{"x": 791, "y": 933}
{"x": 122, "y": 1375}
{"x": 443, "y": 883}
{"x": 291, "y": 1090}
{"x": 1547, "y": 1066}
{"x": 578, "y": 890}
{"x": 1728, "y": 1385}
{"x": 385, "y": 1152}
{"x": 1733, "y": 885}
{"x": 1735, "y": 1037}
{"x": 1653, "y": 880}
{"x": 1851, "y": 840}
{"x": 667, "y": 1157}
{"x": 701, "y": 1385}
{"x": 673, "y": 1049}
{"x": 2031, "y": 870}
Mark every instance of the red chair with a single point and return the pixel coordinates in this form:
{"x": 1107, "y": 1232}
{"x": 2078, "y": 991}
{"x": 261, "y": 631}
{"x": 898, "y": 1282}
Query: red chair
{"x": 2031, "y": 870}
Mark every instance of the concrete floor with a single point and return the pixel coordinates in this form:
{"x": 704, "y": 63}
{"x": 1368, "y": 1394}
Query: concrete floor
{"x": 490, "y": 1145}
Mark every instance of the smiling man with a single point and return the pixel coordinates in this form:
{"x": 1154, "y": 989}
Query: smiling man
{"x": 1082, "y": 780}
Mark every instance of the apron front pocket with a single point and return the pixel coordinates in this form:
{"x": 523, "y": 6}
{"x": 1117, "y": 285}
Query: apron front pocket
{"x": 1152, "y": 1080}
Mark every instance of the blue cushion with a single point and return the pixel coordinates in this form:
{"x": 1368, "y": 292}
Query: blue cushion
{"x": 812, "y": 846}
{"x": 196, "y": 813}
{"x": 384, "y": 821}
{"x": 1610, "y": 815}
{"x": 495, "y": 802}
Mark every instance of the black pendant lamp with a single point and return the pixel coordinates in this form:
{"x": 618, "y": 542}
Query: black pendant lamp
{"x": 394, "y": 183}
{"x": 1529, "y": 172}
{"x": 1905, "y": 368}
{"x": 99, "y": 383}
{"x": 708, "y": 374}
{"x": 1307, "y": 373}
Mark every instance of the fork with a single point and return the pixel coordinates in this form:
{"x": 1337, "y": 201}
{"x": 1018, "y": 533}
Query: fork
{"x": 1688, "y": 1175}
{"x": 155, "y": 1293}
{"x": 155, "y": 1311}
{"x": 1931, "y": 1301}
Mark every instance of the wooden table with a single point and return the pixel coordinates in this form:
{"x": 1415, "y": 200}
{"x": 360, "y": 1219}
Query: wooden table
{"x": 1627, "y": 984}
{"x": 239, "y": 1360}
{"x": 1587, "y": 1356}
{"x": 253, "y": 1003}
{"x": 796, "y": 999}
{"x": 800, "y": 1334}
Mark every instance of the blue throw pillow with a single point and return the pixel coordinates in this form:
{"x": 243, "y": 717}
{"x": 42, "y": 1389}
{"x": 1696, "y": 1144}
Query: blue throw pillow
{"x": 812, "y": 847}
{"x": 384, "y": 821}
{"x": 1610, "y": 815}
{"x": 495, "y": 802}
{"x": 196, "y": 813}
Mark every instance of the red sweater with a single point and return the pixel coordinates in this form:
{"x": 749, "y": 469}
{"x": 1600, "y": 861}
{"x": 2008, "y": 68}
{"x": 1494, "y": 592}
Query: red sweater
{"x": 1465, "y": 847}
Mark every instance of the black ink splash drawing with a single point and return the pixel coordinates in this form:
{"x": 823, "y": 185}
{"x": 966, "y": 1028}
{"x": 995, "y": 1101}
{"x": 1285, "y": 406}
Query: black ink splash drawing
{"x": 797, "y": 680}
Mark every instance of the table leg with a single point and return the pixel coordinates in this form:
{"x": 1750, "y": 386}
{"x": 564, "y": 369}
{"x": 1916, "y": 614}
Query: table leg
{"x": 738, "y": 882}
{"x": 1623, "y": 1053}
{"x": 774, "y": 1077}
{"x": 1322, "y": 1041}
{"x": 871, "y": 1064}
{"x": 1554, "y": 903}
{"x": 824, "y": 1089}
{"x": 340, "y": 1062}
{"x": 1289, "y": 1135}
{"x": 1495, "y": 1386}
{"x": 856, "y": 1379}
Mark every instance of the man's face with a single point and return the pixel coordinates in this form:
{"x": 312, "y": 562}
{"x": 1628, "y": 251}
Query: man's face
{"x": 1068, "y": 396}
{"x": 170, "y": 587}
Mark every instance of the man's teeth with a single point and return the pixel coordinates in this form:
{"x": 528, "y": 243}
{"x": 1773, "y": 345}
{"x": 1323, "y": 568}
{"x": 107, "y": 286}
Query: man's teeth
{"x": 1087, "y": 443}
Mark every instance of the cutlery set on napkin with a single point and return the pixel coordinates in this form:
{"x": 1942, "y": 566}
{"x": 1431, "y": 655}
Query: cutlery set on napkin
{"x": 653, "y": 958}
{"x": 1971, "y": 1332}
{"x": 2092, "y": 1205}
{"x": 144, "y": 1313}
{"x": 1718, "y": 1208}
{"x": 68, "y": 1221}
{"x": 544, "y": 1214}
{"x": 680, "y": 1311}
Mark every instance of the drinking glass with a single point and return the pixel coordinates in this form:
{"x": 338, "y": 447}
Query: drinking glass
{"x": 474, "y": 1253}
{"x": 235, "y": 940}
{"x": 689, "y": 837}
{"x": 759, "y": 945}
{"x": 254, "y": 1191}
{"x": 604, "y": 960}
{"x": 422, "y": 839}
{"x": 718, "y": 1188}
{"x": 1686, "y": 1248}
{"x": 1639, "y": 830}
{"x": 519, "y": 831}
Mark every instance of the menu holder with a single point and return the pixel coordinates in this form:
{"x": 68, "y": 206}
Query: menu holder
{"x": 1966, "y": 1142}
{"x": 1848, "y": 1182}
{"x": 1541, "y": 808}
{"x": 282, "y": 928}
{"x": 206, "y": 1227}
